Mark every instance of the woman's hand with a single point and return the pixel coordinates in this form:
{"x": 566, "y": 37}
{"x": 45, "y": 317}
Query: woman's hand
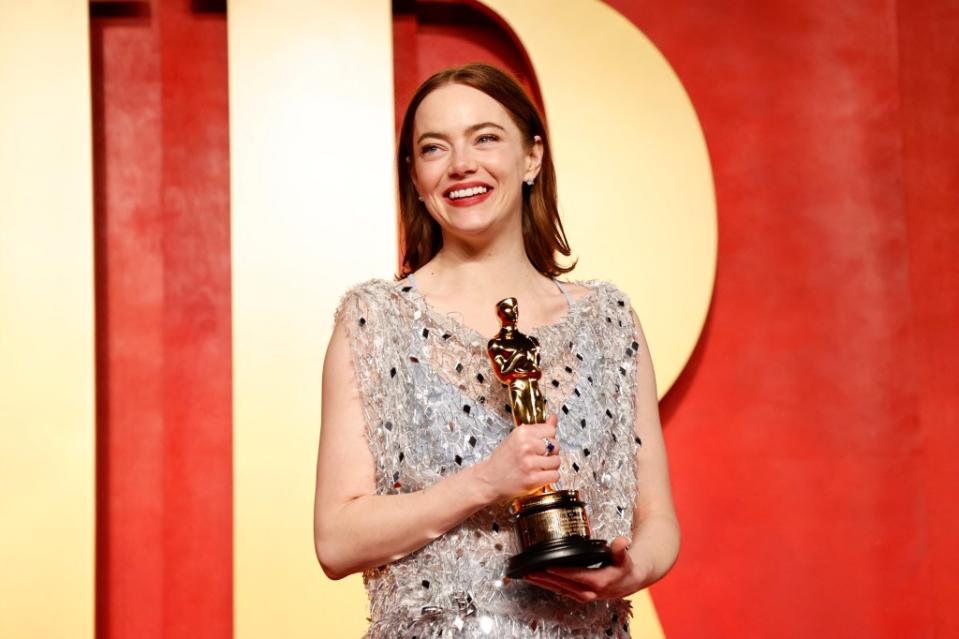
{"x": 519, "y": 464}
{"x": 624, "y": 577}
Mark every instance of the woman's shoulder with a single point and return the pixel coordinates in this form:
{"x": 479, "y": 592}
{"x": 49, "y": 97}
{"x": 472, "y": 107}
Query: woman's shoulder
{"x": 604, "y": 291}
{"x": 365, "y": 297}
{"x": 371, "y": 287}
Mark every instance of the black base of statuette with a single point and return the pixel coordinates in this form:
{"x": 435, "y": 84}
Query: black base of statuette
{"x": 572, "y": 552}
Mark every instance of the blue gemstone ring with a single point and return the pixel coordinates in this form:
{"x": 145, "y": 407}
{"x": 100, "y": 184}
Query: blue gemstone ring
{"x": 550, "y": 447}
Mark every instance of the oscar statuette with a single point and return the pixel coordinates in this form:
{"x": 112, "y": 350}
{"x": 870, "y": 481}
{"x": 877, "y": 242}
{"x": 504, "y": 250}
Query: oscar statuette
{"x": 551, "y": 525}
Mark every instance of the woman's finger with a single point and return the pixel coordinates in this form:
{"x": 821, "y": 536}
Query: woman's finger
{"x": 620, "y": 548}
{"x": 545, "y": 477}
{"x": 562, "y": 586}
{"x": 586, "y": 578}
{"x": 537, "y": 432}
{"x": 542, "y": 583}
{"x": 550, "y": 463}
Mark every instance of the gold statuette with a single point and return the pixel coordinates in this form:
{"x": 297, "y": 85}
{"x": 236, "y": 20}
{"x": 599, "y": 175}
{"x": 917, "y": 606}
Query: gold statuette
{"x": 551, "y": 525}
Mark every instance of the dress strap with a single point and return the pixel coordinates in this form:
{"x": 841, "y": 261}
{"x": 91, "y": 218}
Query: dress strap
{"x": 411, "y": 280}
{"x": 569, "y": 300}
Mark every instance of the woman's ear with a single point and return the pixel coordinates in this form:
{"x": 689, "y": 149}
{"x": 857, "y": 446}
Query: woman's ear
{"x": 412, "y": 174}
{"x": 534, "y": 158}
{"x": 410, "y": 170}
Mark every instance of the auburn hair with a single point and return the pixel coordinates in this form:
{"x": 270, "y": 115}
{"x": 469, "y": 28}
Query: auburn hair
{"x": 543, "y": 234}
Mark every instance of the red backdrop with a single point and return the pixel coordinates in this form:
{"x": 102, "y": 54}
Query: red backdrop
{"x": 810, "y": 437}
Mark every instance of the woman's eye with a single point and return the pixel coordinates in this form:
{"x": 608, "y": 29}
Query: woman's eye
{"x": 487, "y": 137}
{"x": 428, "y": 148}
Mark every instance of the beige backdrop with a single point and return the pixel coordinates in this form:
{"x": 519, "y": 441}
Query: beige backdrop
{"x": 46, "y": 321}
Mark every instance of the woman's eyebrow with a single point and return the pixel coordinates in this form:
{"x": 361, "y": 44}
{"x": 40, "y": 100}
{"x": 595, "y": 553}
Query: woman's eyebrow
{"x": 470, "y": 129}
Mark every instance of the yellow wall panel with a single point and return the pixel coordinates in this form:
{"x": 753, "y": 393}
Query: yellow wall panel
{"x": 47, "y": 403}
{"x": 311, "y": 136}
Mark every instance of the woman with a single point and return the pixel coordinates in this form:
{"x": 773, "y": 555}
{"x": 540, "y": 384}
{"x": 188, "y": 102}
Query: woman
{"x": 417, "y": 458}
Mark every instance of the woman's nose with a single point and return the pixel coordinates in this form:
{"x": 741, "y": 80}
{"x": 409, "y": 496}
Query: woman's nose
{"x": 461, "y": 162}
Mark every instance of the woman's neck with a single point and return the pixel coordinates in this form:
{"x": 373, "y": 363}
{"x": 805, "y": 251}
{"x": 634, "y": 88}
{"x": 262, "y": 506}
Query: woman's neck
{"x": 490, "y": 270}
{"x": 469, "y": 278}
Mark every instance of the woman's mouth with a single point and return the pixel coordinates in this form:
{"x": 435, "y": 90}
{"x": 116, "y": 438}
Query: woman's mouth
{"x": 468, "y": 196}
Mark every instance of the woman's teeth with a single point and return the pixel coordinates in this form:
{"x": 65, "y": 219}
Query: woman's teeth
{"x": 476, "y": 190}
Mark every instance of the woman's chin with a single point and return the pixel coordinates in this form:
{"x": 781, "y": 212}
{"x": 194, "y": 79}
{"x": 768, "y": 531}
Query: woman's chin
{"x": 469, "y": 224}
{"x": 474, "y": 223}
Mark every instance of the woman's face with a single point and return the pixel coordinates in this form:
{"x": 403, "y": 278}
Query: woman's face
{"x": 469, "y": 161}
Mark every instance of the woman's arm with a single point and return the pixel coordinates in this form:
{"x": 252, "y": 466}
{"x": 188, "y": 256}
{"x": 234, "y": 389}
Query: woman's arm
{"x": 651, "y": 552}
{"x": 355, "y": 529}
{"x": 656, "y": 537}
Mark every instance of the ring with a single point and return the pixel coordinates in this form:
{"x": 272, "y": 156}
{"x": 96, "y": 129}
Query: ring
{"x": 550, "y": 447}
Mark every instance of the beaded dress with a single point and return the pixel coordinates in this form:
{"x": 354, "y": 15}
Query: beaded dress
{"x": 432, "y": 407}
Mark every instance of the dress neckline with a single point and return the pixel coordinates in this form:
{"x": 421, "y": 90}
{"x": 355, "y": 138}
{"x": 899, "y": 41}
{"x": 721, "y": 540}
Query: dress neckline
{"x": 452, "y": 321}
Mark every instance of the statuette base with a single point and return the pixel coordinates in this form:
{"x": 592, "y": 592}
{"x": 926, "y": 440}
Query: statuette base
{"x": 572, "y": 552}
{"x": 553, "y": 530}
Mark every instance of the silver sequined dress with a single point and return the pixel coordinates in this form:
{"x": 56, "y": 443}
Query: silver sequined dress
{"x": 432, "y": 407}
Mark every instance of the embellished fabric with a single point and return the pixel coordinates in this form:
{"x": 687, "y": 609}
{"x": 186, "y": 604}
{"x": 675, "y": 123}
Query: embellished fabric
{"x": 432, "y": 407}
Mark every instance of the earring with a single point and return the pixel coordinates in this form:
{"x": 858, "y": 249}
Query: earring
{"x": 529, "y": 181}
{"x": 419, "y": 197}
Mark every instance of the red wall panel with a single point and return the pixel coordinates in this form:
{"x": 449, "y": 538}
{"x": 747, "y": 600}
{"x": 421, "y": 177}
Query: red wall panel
{"x": 164, "y": 538}
{"x": 929, "y": 78}
{"x": 798, "y": 440}
{"x": 129, "y": 311}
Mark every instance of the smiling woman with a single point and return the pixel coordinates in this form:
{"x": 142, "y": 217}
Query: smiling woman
{"x": 418, "y": 457}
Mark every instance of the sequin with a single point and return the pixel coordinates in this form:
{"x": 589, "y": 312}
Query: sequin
{"x": 422, "y": 410}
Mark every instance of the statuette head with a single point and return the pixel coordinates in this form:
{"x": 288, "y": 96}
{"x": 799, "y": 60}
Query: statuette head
{"x": 508, "y": 312}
